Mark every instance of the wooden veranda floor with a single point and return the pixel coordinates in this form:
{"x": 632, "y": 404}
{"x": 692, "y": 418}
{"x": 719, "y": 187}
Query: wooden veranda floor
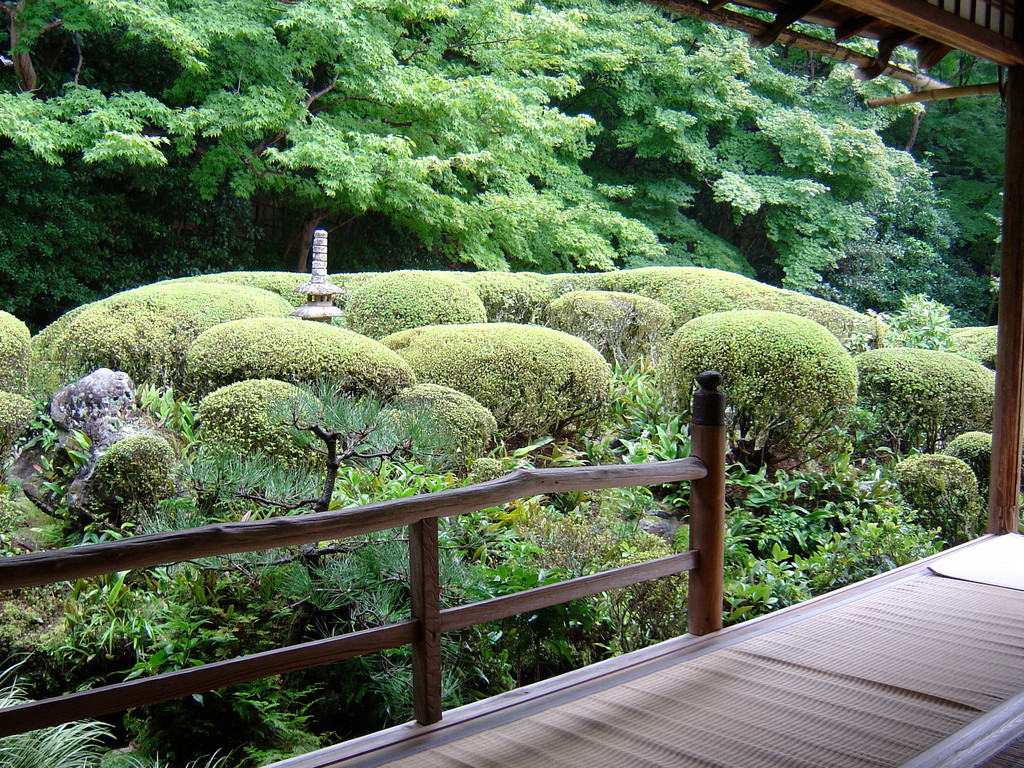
{"x": 922, "y": 666}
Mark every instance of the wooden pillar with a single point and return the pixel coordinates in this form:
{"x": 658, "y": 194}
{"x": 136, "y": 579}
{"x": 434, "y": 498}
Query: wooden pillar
{"x": 707, "y": 507}
{"x": 1004, "y": 498}
{"x": 426, "y": 606}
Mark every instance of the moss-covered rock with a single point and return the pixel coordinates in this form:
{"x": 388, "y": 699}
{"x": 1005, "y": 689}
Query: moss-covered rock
{"x": 295, "y": 351}
{"x": 145, "y": 332}
{"x": 244, "y": 419}
{"x": 977, "y": 344}
{"x": 787, "y": 379}
{"x": 132, "y": 476}
{"x": 536, "y": 381}
{"x": 944, "y": 492}
{"x": 924, "y": 397}
{"x": 15, "y": 413}
{"x": 396, "y": 301}
{"x": 15, "y": 354}
{"x": 465, "y": 422}
{"x": 509, "y": 297}
{"x": 621, "y": 326}
{"x": 975, "y": 450}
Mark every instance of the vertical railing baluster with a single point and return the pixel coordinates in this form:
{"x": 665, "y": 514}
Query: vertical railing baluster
{"x": 707, "y": 507}
{"x": 426, "y": 609}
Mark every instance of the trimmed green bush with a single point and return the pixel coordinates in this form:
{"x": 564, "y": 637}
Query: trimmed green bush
{"x": 15, "y": 413}
{"x": 694, "y": 292}
{"x": 580, "y": 281}
{"x": 621, "y": 326}
{"x": 15, "y": 353}
{"x": 944, "y": 491}
{"x": 145, "y": 332}
{"x": 536, "y": 381}
{"x": 977, "y": 344}
{"x": 132, "y": 476}
{"x": 509, "y": 297}
{"x": 974, "y": 449}
{"x": 923, "y": 397}
{"x": 408, "y": 298}
{"x": 244, "y": 419}
{"x": 787, "y": 379}
{"x": 281, "y": 283}
{"x": 296, "y": 351}
{"x": 468, "y": 424}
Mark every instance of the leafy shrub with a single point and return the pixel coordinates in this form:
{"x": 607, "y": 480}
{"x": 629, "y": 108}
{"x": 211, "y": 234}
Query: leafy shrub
{"x": 244, "y": 418}
{"x": 15, "y": 354}
{"x": 921, "y": 323}
{"x": 977, "y": 344}
{"x": 580, "y": 281}
{"x": 468, "y": 424}
{"x": 693, "y": 292}
{"x": 397, "y": 301}
{"x": 974, "y": 449}
{"x": 535, "y": 381}
{"x": 923, "y": 398}
{"x": 787, "y": 379}
{"x": 944, "y": 491}
{"x": 621, "y": 326}
{"x": 145, "y": 332}
{"x": 131, "y": 477}
{"x": 509, "y": 297}
{"x": 295, "y": 351}
{"x": 281, "y": 283}
{"x": 15, "y": 413}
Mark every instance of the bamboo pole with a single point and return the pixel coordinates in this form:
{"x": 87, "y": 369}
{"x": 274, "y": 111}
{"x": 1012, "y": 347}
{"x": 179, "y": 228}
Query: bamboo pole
{"x": 707, "y": 507}
{"x": 1004, "y": 496}
{"x": 937, "y": 94}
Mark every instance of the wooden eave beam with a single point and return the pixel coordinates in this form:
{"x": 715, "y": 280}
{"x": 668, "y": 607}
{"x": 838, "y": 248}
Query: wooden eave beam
{"x": 930, "y": 53}
{"x": 885, "y": 49}
{"x": 853, "y": 27}
{"x": 945, "y": 27}
{"x": 784, "y": 18}
{"x": 743, "y": 23}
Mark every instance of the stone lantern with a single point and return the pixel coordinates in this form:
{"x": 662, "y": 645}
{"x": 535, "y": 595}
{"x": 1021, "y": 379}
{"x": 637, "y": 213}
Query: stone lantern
{"x": 319, "y": 291}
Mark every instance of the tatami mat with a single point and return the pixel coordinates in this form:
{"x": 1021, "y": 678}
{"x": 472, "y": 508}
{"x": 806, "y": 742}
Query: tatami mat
{"x": 870, "y": 683}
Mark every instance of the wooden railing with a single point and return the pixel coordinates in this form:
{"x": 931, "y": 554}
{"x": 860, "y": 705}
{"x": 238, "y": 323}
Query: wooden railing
{"x": 705, "y": 470}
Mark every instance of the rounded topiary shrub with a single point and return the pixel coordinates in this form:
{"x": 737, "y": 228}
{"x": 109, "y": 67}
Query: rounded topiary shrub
{"x": 296, "y": 351}
{"x": 509, "y": 297}
{"x": 145, "y": 332}
{"x": 15, "y": 413}
{"x": 467, "y": 424}
{"x": 695, "y": 291}
{"x": 787, "y": 379}
{"x": 244, "y": 418}
{"x": 408, "y": 298}
{"x": 15, "y": 353}
{"x": 281, "y": 283}
{"x": 536, "y": 381}
{"x": 621, "y": 326}
{"x": 924, "y": 397}
{"x": 977, "y": 344}
{"x": 944, "y": 492}
{"x": 975, "y": 450}
{"x": 131, "y": 477}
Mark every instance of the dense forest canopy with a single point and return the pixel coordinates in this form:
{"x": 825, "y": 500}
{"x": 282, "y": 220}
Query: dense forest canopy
{"x": 142, "y": 139}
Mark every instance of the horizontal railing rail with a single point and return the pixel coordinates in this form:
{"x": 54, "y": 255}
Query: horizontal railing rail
{"x": 704, "y": 470}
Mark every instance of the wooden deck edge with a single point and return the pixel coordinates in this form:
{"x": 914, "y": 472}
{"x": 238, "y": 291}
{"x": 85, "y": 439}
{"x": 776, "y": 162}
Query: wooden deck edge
{"x": 636, "y": 663}
{"x": 978, "y": 741}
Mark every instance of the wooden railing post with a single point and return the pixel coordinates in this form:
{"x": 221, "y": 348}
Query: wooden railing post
{"x": 707, "y": 507}
{"x": 425, "y": 584}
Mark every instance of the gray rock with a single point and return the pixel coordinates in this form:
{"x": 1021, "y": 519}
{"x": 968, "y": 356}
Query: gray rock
{"x": 96, "y": 405}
